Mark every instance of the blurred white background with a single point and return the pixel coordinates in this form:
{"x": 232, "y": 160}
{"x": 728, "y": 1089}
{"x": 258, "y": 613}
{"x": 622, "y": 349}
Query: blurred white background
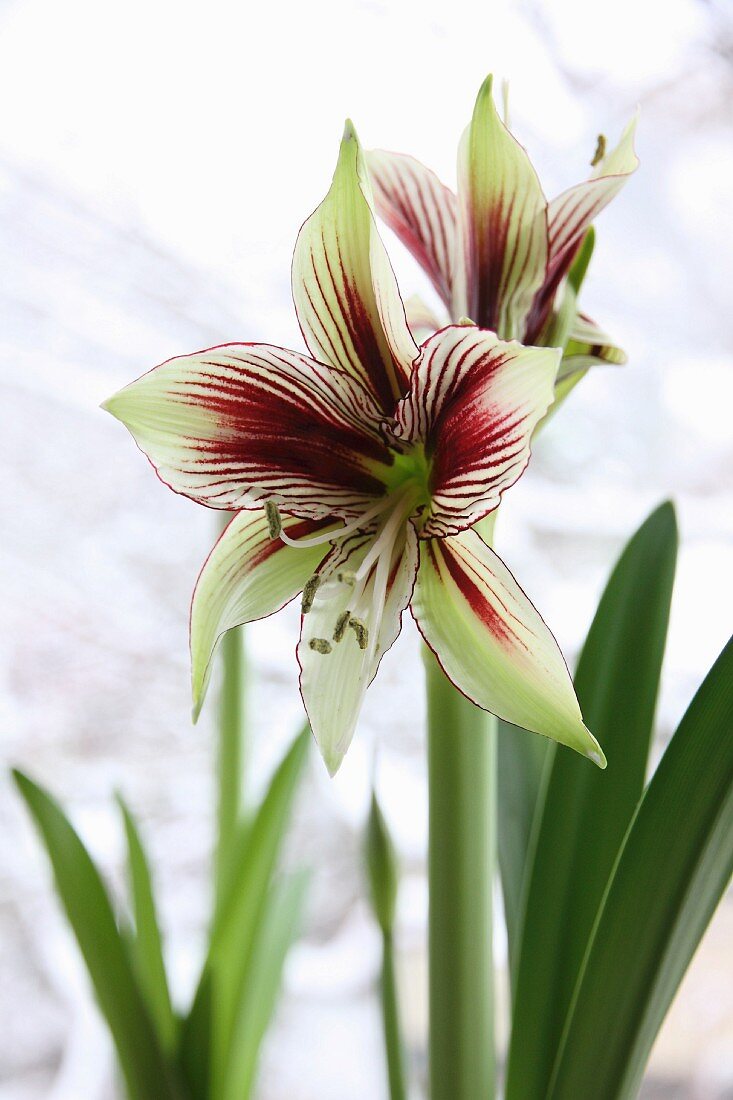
{"x": 156, "y": 162}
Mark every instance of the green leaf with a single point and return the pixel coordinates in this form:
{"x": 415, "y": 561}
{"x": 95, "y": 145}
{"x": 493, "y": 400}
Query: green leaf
{"x": 89, "y": 911}
{"x": 253, "y": 860}
{"x": 382, "y": 867}
{"x": 579, "y": 269}
{"x": 194, "y": 1045}
{"x": 585, "y": 812}
{"x": 274, "y": 936}
{"x": 147, "y": 942}
{"x": 675, "y": 863}
{"x": 521, "y": 761}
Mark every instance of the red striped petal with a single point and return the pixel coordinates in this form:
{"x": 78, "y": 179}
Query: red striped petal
{"x": 571, "y": 214}
{"x": 502, "y": 225}
{"x": 474, "y": 403}
{"x": 492, "y": 642}
{"x": 248, "y": 575}
{"x": 587, "y": 346}
{"x": 344, "y": 289}
{"x": 242, "y": 422}
{"x": 333, "y": 683}
{"x": 420, "y": 210}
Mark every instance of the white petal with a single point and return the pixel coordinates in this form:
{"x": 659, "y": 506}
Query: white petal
{"x": 492, "y": 642}
{"x": 247, "y": 576}
{"x": 333, "y": 684}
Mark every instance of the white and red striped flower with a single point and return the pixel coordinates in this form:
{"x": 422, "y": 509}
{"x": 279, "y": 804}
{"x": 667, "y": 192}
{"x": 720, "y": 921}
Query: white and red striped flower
{"x": 374, "y": 459}
{"x": 498, "y": 252}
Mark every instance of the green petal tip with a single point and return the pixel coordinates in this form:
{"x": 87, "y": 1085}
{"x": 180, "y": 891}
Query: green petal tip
{"x": 597, "y": 756}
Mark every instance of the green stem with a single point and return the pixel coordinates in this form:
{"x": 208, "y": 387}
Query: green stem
{"x": 462, "y": 841}
{"x": 391, "y": 1020}
{"x": 230, "y": 750}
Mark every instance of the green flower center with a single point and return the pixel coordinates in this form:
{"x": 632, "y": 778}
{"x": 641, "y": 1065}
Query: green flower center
{"x": 410, "y": 468}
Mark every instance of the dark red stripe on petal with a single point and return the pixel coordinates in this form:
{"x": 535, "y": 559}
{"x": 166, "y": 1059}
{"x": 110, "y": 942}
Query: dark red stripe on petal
{"x": 476, "y": 597}
{"x": 420, "y": 210}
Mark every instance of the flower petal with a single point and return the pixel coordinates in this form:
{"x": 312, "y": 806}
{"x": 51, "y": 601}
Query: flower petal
{"x": 492, "y": 642}
{"x": 420, "y": 210}
{"x": 420, "y": 317}
{"x": 474, "y": 403}
{"x": 344, "y": 289}
{"x": 333, "y": 683}
{"x": 247, "y": 421}
{"x": 502, "y": 225}
{"x": 588, "y": 345}
{"x": 248, "y": 575}
{"x": 571, "y": 214}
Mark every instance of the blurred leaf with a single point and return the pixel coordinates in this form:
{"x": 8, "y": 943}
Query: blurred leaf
{"x": 253, "y": 860}
{"x": 194, "y": 1043}
{"x": 381, "y": 864}
{"x": 147, "y": 943}
{"x": 90, "y": 914}
{"x": 675, "y": 863}
{"x": 230, "y": 746}
{"x": 586, "y": 812}
{"x": 521, "y": 761}
{"x": 274, "y": 936}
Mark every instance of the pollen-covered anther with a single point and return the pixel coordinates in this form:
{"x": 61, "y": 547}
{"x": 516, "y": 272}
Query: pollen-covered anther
{"x": 274, "y": 521}
{"x": 320, "y": 645}
{"x": 309, "y": 593}
{"x": 362, "y": 634}
{"x": 341, "y": 623}
{"x": 600, "y": 150}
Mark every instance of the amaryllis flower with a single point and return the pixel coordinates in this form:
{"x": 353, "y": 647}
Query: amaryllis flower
{"x": 499, "y": 252}
{"x": 357, "y": 475}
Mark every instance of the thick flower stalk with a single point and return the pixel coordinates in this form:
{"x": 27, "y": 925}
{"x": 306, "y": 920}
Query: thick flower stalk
{"x": 357, "y": 474}
{"x": 498, "y": 251}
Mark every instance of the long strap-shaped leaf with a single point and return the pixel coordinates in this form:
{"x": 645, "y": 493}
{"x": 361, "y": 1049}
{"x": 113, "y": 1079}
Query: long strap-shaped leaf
{"x": 147, "y": 943}
{"x": 586, "y": 812}
{"x": 521, "y": 760}
{"x": 210, "y": 1026}
{"x": 90, "y": 914}
{"x": 275, "y": 935}
{"x": 675, "y": 863}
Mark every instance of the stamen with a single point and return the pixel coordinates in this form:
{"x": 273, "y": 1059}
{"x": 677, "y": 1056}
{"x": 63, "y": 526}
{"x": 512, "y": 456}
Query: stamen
{"x": 466, "y": 322}
{"x": 362, "y": 634}
{"x": 385, "y": 540}
{"x": 309, "y": 593}
{"x": 320, "y": 645}
{"x": 600, "y": 150}
{"x": 274, "y": 521}
{"x": 341, "y": 623}
{"x": 354, "y": 525}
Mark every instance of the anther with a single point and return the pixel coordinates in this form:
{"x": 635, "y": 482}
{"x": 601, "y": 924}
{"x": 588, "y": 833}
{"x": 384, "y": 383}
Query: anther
{"x": 600, "y": 150}
{"x": 362, "y": 634}
{"x": 341, "y": 623}
{"x": 274, "y": 522}
{"x": 309, "y": 593}
{"x": 320, "y": 645}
